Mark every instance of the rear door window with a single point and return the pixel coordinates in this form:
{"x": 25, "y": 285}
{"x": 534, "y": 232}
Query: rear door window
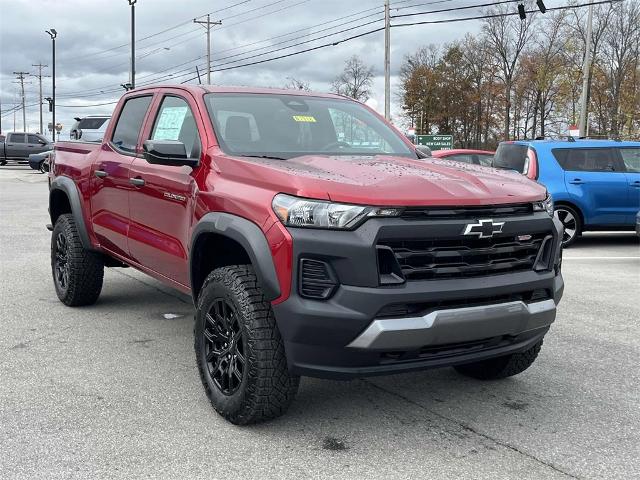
{"x": 631, "y": 159}
{"x": 16, "y": 138}
{"x": 127, "y": 131}
{"x": 91, "y": 123}
{"x": 511, "y": 156}
{"x": 587, "y": 159}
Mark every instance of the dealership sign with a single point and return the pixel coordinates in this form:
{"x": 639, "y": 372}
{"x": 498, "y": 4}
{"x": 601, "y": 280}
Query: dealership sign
{"x": 435, "y": 142}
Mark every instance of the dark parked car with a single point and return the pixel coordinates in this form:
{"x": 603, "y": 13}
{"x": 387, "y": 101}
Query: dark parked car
{"x": 36, "y": 160}
{"x": 18, "y": 146}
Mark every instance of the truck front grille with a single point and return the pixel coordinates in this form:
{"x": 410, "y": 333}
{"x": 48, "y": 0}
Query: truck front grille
{"x": 459, "y": 257}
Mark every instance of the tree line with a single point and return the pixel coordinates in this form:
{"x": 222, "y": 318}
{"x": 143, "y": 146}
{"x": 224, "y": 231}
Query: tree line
{"x": 523, "y": 78}
{"x": 518, "y": 78}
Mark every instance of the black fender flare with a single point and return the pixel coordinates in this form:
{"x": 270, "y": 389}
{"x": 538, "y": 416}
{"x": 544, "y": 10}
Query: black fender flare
{"x": 66, "y": 185}
{"x": 250, "y": 237}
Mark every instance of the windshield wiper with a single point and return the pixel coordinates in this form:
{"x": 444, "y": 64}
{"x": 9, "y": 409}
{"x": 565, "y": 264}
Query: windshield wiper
{"x": 264, "y": 156}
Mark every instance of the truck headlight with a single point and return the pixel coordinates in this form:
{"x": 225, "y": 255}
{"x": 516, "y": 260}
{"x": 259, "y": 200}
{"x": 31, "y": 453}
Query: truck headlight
{"x": 302, "y": 212}
{"x": 545, "y": 205}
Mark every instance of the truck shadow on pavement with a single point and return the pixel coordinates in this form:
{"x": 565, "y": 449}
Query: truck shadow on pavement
{"x": 589, "y": 240}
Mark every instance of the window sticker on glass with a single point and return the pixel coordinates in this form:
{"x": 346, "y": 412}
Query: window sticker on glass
{"x": 304, "y": 118}
{"x": 170, "y": 123}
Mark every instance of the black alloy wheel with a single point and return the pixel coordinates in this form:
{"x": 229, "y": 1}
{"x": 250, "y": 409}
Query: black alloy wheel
{"x": 61, "y": 263}
{"x": 225, "y": 347}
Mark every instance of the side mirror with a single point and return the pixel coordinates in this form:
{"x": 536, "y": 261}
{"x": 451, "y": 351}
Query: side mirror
{"x": 167, "y": 152}
{"x": 423, "y": 151}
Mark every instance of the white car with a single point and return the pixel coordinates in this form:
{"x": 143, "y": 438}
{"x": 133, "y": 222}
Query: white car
{"x": 90, "y": 128}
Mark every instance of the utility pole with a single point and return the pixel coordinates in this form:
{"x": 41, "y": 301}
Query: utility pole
{"x": 52, "y": 105}
{"x": 39, "y": 77}
{"x": 21, "y": 76}
{"x": 584, "y": 99}
{"x": 387, "y": 61}
{"x": 207, "y": 24}
{"x": 132, "y": 71}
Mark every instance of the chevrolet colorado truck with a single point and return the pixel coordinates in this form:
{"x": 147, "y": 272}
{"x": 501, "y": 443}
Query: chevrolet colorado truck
{"x": 313, "y": 238}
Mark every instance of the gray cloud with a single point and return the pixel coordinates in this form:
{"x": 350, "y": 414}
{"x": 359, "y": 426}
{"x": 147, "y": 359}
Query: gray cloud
{"x": 89, "y": 27}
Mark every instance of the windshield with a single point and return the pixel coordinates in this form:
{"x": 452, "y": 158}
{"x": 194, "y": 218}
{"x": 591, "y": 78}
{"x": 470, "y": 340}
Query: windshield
{"x": 287, "y": 126}
{"x": 511, "y": 156}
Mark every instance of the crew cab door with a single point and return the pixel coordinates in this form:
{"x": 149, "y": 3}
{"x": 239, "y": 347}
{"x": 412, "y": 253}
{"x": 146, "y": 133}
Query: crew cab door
{"x": 16, "y": 146}
{"x": 36, "y": 144}
{"x": 595, "y": 178}
{"x": 630, "y": 157}
{"x": 162, "y": 202}
{"x": 110, "y": 176}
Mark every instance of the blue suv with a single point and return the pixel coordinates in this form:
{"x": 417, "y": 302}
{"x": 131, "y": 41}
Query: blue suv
{"x": 595, "y": 184}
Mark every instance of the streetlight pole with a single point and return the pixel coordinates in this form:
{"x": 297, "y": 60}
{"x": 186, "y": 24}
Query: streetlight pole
{"x": 53, "y": 34}
{"x": 132, "y": 74}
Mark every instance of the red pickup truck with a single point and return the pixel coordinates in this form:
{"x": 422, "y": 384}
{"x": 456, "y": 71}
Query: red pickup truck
{"x": 313, "y": 238}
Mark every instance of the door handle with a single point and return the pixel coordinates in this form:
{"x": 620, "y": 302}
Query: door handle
{"x": 138, "y": 182}
{"x": 100, "y": 173}
{"x": 576, "y": 181}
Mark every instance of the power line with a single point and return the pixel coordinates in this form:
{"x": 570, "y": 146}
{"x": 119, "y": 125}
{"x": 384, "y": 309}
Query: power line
{"x": 181, "y": 24}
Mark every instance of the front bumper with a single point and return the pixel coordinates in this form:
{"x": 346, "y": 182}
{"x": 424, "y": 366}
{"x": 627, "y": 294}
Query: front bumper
{"x": 465, "y": 319}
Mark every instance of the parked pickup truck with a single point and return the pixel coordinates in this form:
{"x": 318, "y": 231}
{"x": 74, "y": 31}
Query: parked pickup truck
{"x": 312, "y": 238}
{"x": 18, "y": 146}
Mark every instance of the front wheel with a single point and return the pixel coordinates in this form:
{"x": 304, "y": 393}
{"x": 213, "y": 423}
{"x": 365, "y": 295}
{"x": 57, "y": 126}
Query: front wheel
{"x": 571, "y": 222}
{"x": 77, "y": 272}
{"x": 501, "y": 367}
{"x": 239, "y": 350}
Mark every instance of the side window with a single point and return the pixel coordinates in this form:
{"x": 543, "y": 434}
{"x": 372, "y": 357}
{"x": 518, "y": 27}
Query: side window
{"x": 16, "y": 138}
{"x": 586, "y": 159}
{"x": 175, "y": 122}
{"x": 34, "y": 139}
{"x": 631, "y": 159}
{"x": 125, "y": 135}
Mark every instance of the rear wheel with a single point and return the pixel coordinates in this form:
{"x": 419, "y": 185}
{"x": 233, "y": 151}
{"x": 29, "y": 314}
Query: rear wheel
{"x": 501, "y": 367}
{"x": 239, "y": 351}
{"x": 571, "y": 222}
{"x": 77, "y": 272}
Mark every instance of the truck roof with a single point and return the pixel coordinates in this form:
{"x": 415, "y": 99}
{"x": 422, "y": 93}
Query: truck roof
{"x": 201, "y": 89}
{"x": 578, "y": 143}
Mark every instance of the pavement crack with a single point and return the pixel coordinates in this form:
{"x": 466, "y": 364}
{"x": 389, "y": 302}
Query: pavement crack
{"x": 472, "y": 430}
{"x": 151, "y": 286}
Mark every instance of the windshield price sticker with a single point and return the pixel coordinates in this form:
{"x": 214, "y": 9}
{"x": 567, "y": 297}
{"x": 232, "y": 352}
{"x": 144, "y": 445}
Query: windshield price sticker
{"x": 304, "y": 118}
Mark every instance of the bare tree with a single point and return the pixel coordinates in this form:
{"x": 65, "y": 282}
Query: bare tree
{"x": 355, "y": 81}
{"x": 620, "y": 54}
{"x": 297, "y": 84}
{"x": 507, "y": 37}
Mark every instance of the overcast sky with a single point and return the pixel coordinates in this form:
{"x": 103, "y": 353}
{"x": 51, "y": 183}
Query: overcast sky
{"x": 93, "y": 50}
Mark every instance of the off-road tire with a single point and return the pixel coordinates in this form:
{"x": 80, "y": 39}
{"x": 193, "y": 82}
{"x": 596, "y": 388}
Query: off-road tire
{"x": 85, "y": 272}
{"x": 267, "y": 389}
{"x": 501, "y": 367}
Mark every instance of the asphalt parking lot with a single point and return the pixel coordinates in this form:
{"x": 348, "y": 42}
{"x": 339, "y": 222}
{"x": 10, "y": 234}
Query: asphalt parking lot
{"x": 112, "y": 390}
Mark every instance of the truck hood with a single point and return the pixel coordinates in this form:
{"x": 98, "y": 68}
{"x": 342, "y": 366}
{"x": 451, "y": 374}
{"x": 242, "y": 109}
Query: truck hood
{"x": 384, "y": 180}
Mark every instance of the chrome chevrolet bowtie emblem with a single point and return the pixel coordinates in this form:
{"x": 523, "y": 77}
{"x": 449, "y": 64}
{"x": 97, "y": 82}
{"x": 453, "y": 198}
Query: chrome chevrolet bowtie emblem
{"x": 484, "y": 228}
